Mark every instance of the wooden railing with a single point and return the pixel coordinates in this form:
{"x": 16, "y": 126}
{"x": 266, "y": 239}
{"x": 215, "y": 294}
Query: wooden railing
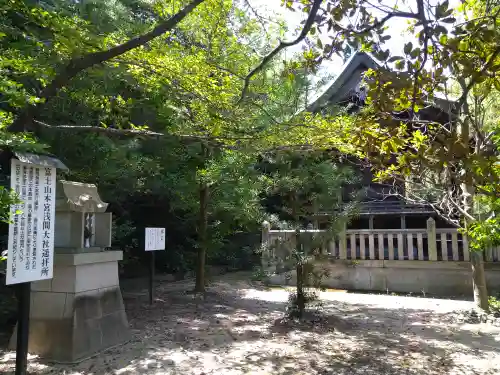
{"x": 429, "y": 244}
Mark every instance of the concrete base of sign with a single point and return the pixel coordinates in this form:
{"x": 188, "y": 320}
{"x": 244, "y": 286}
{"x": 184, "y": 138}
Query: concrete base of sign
{"x": 79, "y": 312}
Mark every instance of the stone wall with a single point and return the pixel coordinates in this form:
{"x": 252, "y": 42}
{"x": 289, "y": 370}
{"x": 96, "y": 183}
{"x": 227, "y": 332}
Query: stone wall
{"x": 433, "y": 278}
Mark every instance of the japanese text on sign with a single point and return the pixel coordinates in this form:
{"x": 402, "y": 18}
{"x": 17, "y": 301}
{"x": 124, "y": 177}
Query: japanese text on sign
{"x": 155, "y": 239}
{"x": 31, "y": 233}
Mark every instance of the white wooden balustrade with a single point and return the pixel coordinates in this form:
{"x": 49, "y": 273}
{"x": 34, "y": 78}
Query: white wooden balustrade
{"x": 427, "y": 244}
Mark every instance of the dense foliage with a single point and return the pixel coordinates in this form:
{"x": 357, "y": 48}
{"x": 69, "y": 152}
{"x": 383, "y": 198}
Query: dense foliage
{"x": 169, "y": 105}
{"x": 156, "y": 127}
{"x": 427, "y": 121}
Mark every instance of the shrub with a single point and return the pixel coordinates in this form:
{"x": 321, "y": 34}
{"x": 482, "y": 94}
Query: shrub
{"x": 494, "y": 304}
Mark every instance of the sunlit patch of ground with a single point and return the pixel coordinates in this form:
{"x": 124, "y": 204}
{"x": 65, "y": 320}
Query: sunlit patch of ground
{"x": 238, "y": 329}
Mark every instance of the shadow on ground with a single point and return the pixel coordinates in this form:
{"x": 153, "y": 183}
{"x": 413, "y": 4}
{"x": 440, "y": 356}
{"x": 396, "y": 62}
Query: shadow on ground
{"x": 238, "y": 328}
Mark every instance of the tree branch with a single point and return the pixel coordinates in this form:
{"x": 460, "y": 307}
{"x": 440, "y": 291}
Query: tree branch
{"x": 217, "y": 140}
{"x": 476, "y": 76}
{"x": 98, "y": 129}
{"x": 305, "y": 30}
{"x": 381, "y": 22}
{"x": 425, "y": 31}
{"x": 79, "y": 64}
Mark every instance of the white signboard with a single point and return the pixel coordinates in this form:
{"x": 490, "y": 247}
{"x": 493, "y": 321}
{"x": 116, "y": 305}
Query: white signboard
{"x": 31, "y": 233}
{"x": 155, "y": 239}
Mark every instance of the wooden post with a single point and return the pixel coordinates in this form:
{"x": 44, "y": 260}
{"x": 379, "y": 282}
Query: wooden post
{"x": 343, "y": 242}
{"x": 151, "y": 277}
{"x": 381, "y": 255}
{"x": 465, "y": 243}
{"x": 266, "y": 227}
{"x": 401, "y": 247}
{"x": 411, "y": 254}
{"x": 353, "y": 246}
{"x": 420, "y": 246}
{"x": 362, "y": 246}
{"x": 23, "y": 326}
{"x": 403, "y": 226}
{"x": 454, "y": 245}
{"x": 444, "y": 246}
{"x": 403, "y": 222}
{"x": 390, "y": 242}
{"x": 431, "y": 239}
{"x": 371, "y": 245}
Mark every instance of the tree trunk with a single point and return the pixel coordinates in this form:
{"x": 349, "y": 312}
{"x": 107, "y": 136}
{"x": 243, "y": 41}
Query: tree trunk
{"x": 479, "y": 281}
{"x": 299, "y": 268}
{"x": 202, "y": 238}
{"x": 480, "y": 290}
{"x": 301, "y": 302}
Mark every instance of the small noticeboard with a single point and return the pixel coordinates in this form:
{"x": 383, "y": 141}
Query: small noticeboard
{"x": 155, "y": 239}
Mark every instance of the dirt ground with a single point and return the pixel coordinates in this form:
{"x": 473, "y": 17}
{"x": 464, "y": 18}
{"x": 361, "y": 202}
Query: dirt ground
{"x": 237, "y": 329}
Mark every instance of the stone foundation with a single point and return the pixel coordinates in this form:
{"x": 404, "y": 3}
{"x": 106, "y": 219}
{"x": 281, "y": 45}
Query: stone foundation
{"x": 437, "y": 278}
{"x": 79, "y": 312}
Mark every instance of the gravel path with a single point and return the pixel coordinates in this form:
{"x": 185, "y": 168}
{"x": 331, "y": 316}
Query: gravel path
{"x": 237, "y": 329}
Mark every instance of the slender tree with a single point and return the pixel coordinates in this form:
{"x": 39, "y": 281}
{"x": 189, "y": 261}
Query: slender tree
{"x": 305, "y": 185}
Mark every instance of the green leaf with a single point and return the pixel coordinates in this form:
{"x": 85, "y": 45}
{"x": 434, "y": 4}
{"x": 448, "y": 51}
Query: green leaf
{"x": 496, "y": 82}
{"x": 441, "y": 9}
{"x": 395, "y": 58}
{"x": 440, "y": 29}
{"x": 408, "y": 48}
{"x": 414, "y": 53}
{"x": 383, "y": 55}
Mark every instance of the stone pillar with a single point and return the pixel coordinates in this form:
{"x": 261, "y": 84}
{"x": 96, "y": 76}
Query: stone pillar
{"x": 431, "y": 239}
{"x": 266, "y": 228}
{"x": 343, "y": 242}
{"x": 308, "y": 239}
{"x": 79, "y": 312}
{"x": 265, "y": 239}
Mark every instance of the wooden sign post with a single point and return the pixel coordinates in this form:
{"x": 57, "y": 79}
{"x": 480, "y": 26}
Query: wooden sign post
{"x": 155, "y": 240}
{"x": 31, "y": 237}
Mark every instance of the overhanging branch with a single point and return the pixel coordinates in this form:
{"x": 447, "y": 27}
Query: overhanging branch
{"x": 218, "y": 141}
{"x": 476, "y": 76}
{"x": 281, "y": 46}
{"x": 98, "y": 129}
{"x": 381, "y": 22}
{"x": 79, "y": 64}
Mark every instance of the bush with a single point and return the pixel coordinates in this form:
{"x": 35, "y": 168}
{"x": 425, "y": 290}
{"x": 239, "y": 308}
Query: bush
{"x": 293, "y": 306}
{"x": 494, "y": 304}
{"x": 259, "y": 274}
